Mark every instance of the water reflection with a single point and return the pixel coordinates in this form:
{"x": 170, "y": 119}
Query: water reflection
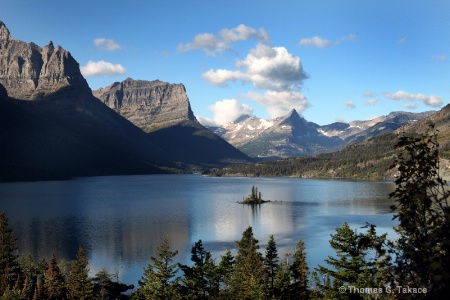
{"x": 121, "y": 220}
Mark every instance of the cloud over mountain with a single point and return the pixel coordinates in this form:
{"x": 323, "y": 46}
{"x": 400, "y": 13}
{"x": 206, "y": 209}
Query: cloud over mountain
{"x": 228, "y": 110}
{"x": 213, "y": 44}
{"x": 102, "y": 68}
{"x": 432, "y": 100}
{"x": 278, "y": 104}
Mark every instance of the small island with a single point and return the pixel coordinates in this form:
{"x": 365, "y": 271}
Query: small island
{"x": 254, "y": 198}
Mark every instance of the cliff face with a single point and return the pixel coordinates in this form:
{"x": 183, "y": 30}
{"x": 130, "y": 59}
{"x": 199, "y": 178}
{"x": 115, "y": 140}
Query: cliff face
{"x": 30, "y": 72}
{"x": 149, "y": 105}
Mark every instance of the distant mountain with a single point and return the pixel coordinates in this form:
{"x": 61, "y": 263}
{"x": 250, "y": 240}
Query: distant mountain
{"x": 370, "y": 159}
{"x": 52, "y": 127}
{"x": 150, "y": 105}
{"x": 163, "y": 110}
{"x": 292, "y": 135}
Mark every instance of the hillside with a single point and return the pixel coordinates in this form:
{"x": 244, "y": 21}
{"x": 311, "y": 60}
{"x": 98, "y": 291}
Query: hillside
{"x": 369, "y": 159}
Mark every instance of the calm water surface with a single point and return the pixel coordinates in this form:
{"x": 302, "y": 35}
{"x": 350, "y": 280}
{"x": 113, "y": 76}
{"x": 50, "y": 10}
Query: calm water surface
{"x": 121, "y": 220}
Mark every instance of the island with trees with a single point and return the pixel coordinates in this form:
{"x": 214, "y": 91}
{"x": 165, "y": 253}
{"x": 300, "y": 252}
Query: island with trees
{"x": 254, "y": 198}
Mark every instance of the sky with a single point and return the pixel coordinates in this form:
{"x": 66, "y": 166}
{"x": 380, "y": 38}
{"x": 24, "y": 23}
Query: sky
{"x": 330, "y": 60}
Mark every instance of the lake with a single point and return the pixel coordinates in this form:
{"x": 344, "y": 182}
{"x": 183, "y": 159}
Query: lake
{"x": 120, "y": 220}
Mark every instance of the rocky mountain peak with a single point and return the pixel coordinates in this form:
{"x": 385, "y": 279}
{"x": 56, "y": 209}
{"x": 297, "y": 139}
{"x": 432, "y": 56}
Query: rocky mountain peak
{"x": 4, "y": 32}
{"x": 149, "y": 105}
{"x": 29, "y": 72}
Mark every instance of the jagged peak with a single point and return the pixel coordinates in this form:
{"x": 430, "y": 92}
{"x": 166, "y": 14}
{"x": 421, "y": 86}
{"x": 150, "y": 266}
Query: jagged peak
{"x": 241, "y": 118}
{"x": 4, "y": 32}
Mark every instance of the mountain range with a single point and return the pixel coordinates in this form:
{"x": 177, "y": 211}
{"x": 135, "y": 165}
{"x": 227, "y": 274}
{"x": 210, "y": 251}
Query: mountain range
{"x": 292, "y": 135}
{"x": 52, "y": 126}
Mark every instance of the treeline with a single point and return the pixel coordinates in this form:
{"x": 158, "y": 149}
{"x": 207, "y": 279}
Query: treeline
{"x": 366, "y": 266}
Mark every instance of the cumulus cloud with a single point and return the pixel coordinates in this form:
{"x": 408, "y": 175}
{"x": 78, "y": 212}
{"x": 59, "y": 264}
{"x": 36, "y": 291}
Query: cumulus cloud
{"x": 102, "y": 68}
{"x": 432, "y": 100}
{"x": 278, "y": 104}
{"x": 349, "y": 104}
{"x": 265, "y": 68}
{"x": 213, "y": 44}
{"x": 318, "y": 42}
{"x": 372, "y": 101}
{"x": 228, "y": 110}
{"x": 206, "y": 121}
{"x": 107, "y": 44}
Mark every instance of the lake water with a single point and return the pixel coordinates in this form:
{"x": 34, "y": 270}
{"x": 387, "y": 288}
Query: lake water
{"x": 120, "y": 220}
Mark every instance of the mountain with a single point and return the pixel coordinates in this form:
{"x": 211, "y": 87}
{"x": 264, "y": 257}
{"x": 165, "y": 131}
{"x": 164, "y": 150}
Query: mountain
{"x": 370, "y": 159}
{"x": 292, "y": 135}
{"x": 163, "y": 110}
{"x": 150, "y": 105}
{"x": 52, "y": 127}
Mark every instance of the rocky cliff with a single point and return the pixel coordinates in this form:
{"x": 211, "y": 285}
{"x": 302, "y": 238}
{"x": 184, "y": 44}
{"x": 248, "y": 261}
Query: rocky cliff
{"x": 149, "y": 105}
{"x": 30, "y": 72}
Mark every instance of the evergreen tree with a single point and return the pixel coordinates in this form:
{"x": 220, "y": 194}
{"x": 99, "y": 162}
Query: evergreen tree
{"x": 248, "y": 280}
{"x": 198, "y": 280}
{"x": 271, "y": 260}
{"x": 299, "y": 270}
{"x": 353, "y": 266}
{"x": 79, "y": 285}
{"x": 54, "y": 287}
{"x": 158, "y": 281}
{"x": 282, "y": 281}
{"x": 9, "y": 270}
{"x": 422, "y": 251}
{"x": 222, "y": 277}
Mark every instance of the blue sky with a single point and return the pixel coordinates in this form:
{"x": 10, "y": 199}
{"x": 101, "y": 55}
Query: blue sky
{"x": 331, "y": 60}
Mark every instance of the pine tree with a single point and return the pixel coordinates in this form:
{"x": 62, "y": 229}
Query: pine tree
{"x": 9, "y": 268}
{"x": 299, "y": 270}
{"x": 158, "y": 281}
{"x": 197, "y": 281}
{"x": 248, "y": 280}
{"x": 271, "y": 260}
{"x": 422, "y": 251}
{"x": 79, "y": 285}
{"x": 222, "y": 277}
{"x": 54, "y": 287}
{"x": 282, "y": 281}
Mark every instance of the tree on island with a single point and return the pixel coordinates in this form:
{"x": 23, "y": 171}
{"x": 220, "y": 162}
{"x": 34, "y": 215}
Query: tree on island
{"x": 254, "y": 198}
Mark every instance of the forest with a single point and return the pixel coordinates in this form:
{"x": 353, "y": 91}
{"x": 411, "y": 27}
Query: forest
{"x": 366, "y": 264}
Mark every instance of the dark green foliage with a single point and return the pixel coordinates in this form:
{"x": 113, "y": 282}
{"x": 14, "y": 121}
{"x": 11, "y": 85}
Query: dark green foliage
{"x": 300, "y": 271}
{"x": 9, "y": 268}
{"x": 254, "y": 198}
{"x": 198, "y": 281}
{"x": 79, "y": 285}
{"x": 158, "y": 281}
{"x": 105, "y": 288}
{"x": 357, "y": 263}
{"x": 271, "y": 261}
{"x": 54, "y": 286}
{"x": 422, "y": 251}
{"x": 248, "y": 279}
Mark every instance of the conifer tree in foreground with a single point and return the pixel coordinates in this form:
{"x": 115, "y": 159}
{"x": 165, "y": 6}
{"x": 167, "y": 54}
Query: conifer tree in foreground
{"x": 9, "y": 270}
{"x": 271, "y": 261}
{"x": 422, "y": 251}
{"x": 158, "y": 281}
{"x": 248, "y": 280}
{"x": 198, "y": 280}
{"x": 79, "y": 285}
{"x": 300, "y": 272}
{"x": 54, "y": 286}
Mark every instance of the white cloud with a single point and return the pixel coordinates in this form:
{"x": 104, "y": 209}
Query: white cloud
{"x": 403, "y": 40}
{"x": 213, "y": 44}
{"x": 340, "y": 119}
{"x": 432, "y": 100}
{"x": 372, "y": 101}
{"x": 370, "y": 94}
{"x": 228, "y": 110}
{"x": 107, "y": 44}
{"x": 410, "y": 106}
{"x": 265, "y": 68}
{"x": 278, "y": 104}
{"x": 102, "y": 68}
{"x": 349, "y": 104}
{"x": 319, "y": 42}
{"x": 316, "y": 41}
{"x": 206, "y": 121}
